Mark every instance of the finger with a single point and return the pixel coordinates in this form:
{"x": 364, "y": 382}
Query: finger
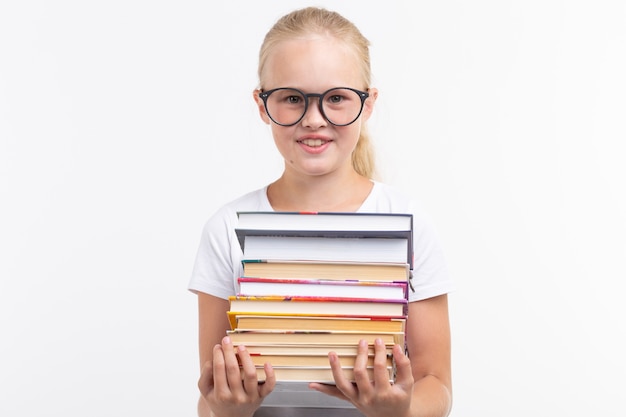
{"x": 361, "y": 374}
{"x": 250, "y": 380}
{"x": 231, "y": 364}
{"x": 381, "y": 371}
{"x": 220, "y": 381}
{"x": 328, "y": 390}
{"x": 206, "y": 383}
{"x": 270, "y": 381}
{"x": 341, "y": 382}
{"x": 404, "y": 373}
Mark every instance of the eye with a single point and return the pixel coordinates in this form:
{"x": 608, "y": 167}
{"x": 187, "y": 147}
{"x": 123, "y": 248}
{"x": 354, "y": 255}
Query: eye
{"x": 293, "y": 99}
{"x": 335, "y": 99}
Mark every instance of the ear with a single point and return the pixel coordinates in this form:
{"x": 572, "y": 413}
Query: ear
{"x": 260, "y": 106}
{"x": 368, "y": 107}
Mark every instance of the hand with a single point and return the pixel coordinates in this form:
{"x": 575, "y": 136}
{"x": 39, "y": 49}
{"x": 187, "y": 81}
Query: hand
{"x": 223, "y": 388}
{"x": 378, "y": 397}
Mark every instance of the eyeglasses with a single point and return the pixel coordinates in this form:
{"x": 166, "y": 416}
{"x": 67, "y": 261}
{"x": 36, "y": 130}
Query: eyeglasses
{"x": 340, "y": 106}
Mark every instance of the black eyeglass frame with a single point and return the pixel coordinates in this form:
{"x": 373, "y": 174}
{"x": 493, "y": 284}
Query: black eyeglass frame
{"x": 363, "y": 95}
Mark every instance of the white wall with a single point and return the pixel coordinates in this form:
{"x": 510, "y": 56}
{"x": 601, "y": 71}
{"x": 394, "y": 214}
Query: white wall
{"x": 125, "y": 124}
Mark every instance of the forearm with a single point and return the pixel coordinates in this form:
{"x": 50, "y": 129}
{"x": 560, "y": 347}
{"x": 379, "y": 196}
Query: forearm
{"x": 431, "y": 398}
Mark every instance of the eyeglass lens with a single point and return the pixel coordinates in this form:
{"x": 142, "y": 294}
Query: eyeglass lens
{"x": 341, "y": 106}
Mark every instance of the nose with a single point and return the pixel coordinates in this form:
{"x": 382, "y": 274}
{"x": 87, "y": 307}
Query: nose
{"x": 314, "y": 118}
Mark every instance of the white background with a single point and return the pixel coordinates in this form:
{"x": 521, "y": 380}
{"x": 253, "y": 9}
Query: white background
{"x": 125, "y": 123}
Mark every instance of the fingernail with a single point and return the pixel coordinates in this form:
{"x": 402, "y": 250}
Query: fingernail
{"x": 226, "y": 339}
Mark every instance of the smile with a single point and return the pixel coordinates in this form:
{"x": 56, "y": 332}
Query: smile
{"x": 313, "y": 142}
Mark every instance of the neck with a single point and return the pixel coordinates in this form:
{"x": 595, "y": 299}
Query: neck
{"x": 323, "y": 193}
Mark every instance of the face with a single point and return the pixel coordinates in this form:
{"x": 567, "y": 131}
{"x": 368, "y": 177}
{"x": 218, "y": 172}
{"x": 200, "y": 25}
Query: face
{"x": 314, "y": 146}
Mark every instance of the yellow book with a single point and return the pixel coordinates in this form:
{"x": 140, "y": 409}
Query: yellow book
{"x": 360, "y": 271}
{"x": 312, "y": 338}
{"x": 284, "y": 322}
{"x": 309, "y": 360}
{"x": 323, "y": 375}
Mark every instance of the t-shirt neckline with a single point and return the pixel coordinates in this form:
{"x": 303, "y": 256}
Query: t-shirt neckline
{"x": 365, "y": 206}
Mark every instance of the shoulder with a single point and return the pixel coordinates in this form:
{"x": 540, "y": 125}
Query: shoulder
{"x": 430, "y": 276}
{"x": 226, "y": 215}
{"x": 253, "y": 200}
{"x": 387, "y": 198}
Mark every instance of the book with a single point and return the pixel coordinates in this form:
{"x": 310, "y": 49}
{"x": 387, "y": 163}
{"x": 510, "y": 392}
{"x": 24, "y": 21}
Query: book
{"x": 348, "y": 236}
{"x": 311, "y": 248}
{"x": 322, "y": 288}
{"x": 295, "y": 337}
{"x": 304, "y": 349}
{"x": 360, "y": 271}
{"x": 309, "y": 360}
{"x": 313, "y": 283}
{"x": 322, "y": 306}
{"x": 282, "y": 322}
{"x": 325, "y": 221}
{"x": 319, "y": 374}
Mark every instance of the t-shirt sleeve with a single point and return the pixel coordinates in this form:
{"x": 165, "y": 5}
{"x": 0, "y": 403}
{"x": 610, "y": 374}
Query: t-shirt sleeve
{"x": 214, "y": 266}
{"x": 430, "y": 275}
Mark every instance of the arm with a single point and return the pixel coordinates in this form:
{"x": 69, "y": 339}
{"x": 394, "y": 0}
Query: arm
{"x": 212, "y": 326}
{"x": 428, "y": 342}
{"x": 223, "y": 393}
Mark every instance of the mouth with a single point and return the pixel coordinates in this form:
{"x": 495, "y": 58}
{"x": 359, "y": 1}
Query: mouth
{"x": 313, "y": 143}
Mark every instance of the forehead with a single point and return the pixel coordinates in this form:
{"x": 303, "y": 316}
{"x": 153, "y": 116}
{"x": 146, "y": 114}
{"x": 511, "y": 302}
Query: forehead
{"x": 313, "y": 63}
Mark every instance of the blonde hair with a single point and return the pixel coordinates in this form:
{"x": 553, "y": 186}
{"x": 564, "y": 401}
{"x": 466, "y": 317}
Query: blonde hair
{"x": 314, "y": 20}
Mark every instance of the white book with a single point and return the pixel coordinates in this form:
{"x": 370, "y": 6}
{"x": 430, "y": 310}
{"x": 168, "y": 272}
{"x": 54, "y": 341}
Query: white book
{"x": 394, "y": 250}
{"x": 324, "y": 221}
{"x": 326, "y": 236}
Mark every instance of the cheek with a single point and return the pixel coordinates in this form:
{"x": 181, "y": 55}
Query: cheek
{"x": 282, "y": 136}
{"x": 354, "y": 134}
{"x": 277, "y": 132}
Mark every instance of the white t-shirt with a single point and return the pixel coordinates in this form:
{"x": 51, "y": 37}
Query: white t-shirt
{"x": 218, "y": 261}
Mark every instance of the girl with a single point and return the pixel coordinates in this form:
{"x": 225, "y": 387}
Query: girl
{"x": 317, "y": 58}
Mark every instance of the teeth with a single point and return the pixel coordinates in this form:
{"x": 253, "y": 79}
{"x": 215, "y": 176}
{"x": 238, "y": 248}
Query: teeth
{"x": 313, "y": 142}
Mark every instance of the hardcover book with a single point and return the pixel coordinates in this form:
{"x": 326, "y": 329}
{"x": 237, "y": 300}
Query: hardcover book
{"x": 311, "y": 361}
{"x": 322, "y": 288}
{"x": 304, "y": 349}
{"x": 325, "y": 221}
{"x": 312, "y": 248}
{"x": 315, "y": 322}
{"x": 322, "y": 306}
{"x": 360, "y": 271}
{"x": 350, "y": 234}
{"x": 297, "y": 337}
{"x": 320, "y": 374}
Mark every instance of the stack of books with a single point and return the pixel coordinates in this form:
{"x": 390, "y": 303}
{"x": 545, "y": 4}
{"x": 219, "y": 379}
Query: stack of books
{"x": 320, "y": 282}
